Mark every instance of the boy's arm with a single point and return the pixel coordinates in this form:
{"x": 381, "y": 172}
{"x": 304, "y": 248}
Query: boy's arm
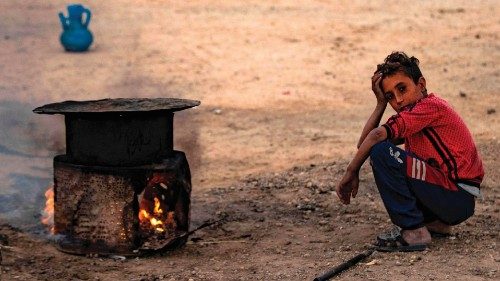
{"x": 377, "y": 113}
{"x": 373, "y": 121}
{"x": 348, "y": 186}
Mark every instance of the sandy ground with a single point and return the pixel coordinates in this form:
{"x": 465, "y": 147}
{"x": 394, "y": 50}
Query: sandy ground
{"x": 285, "y": 90}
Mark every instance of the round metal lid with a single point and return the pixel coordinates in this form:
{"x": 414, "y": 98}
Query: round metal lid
{"x": 125, "y": 105}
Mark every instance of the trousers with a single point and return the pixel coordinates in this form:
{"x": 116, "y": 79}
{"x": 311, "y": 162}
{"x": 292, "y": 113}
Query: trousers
{"x": 414, "y": 192}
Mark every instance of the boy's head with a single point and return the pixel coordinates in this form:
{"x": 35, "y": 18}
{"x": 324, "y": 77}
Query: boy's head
{"x": 399, "y": 61}
{"x": 402, "y": 80}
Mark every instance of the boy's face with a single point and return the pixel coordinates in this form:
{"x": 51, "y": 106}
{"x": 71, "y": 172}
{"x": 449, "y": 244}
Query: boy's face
{"x": 400, "y": 90}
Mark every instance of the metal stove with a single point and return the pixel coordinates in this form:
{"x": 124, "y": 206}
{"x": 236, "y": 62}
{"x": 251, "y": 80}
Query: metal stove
{"x": 120, "y": 188}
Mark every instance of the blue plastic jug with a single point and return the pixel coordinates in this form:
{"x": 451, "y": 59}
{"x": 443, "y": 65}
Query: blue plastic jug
{"x": 75, "y": 36}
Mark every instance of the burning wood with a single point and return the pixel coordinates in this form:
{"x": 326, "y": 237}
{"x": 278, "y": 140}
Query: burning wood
{"x": 155, "y": 213}
{"x": 157, "y": 220}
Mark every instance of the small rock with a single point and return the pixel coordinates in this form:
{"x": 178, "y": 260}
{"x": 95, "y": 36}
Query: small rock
{"x": 462, "y": 94}
{"x": 217, "y": 111}
{"x": 118, "y": 258}
{"x": 491, "y": 111}
{"x": 373, "y": 262}
{"x": 323, "y": 190}
{"x": 414, "y": 258}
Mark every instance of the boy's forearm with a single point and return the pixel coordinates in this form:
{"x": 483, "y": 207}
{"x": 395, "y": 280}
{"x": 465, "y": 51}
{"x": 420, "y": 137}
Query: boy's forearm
{"x": 375, "y": 136}
{"x": 372, "y": 122}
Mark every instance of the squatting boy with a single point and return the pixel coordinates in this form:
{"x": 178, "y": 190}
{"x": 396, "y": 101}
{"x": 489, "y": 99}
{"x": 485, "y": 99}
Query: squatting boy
{"x": 429, "y": 186}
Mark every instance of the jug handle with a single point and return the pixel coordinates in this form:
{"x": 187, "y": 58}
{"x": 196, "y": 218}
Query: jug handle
{"x": 64, "y": 21}
{"x": 87, "y": 20}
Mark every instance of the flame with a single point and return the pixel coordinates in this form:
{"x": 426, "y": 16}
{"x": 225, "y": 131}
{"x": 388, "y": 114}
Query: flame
{"x": 155, "y": 219}
{"x": 157, "y": 211}
{"x": 143, "y": 215}
{"x": 153, "y": 213}
{"x": 48, "y": 212}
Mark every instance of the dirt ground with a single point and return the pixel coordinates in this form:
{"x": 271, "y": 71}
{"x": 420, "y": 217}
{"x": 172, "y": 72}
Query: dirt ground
{"x": 285, "y": 90}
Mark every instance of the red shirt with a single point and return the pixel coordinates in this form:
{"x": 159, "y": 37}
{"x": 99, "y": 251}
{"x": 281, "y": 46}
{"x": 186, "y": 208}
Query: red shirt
{"x": 435, "y": 133}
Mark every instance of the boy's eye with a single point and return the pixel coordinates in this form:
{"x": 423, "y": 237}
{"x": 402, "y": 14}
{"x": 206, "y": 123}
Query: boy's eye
{"x": 402, "y": 88}
{"x": 389, "y": 96}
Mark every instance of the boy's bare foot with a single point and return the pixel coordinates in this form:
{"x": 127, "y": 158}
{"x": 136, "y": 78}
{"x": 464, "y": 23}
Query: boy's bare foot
{"x": 417, "y": 236}
{"x": 439, "y": 227}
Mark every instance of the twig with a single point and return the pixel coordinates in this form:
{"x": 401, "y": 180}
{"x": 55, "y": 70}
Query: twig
{"x": 221, "y": 241}
{"x": 3, "y": 247}
{"x": 203, "y": 225}
{"x": 345, "y": 265}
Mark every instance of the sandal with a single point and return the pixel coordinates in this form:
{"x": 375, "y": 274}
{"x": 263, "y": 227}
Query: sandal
{"x": 393, "y": 241}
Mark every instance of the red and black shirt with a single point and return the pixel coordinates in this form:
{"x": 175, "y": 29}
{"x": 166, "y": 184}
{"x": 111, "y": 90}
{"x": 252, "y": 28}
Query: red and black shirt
{"x": 435, "y": 133}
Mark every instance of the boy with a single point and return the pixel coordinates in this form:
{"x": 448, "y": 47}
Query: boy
{"x": 432, "y": 184}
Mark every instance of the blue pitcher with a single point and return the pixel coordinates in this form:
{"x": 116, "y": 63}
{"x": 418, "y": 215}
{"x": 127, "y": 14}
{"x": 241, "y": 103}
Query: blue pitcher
{"x": 76, "y": 37}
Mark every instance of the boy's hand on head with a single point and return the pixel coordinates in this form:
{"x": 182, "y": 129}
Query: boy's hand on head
{"x": 348, "y": 187}
{"x": 377, "y": 88}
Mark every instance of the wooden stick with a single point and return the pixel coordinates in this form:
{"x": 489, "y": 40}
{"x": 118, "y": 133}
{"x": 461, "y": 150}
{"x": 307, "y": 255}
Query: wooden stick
{"x": 203, "y": 225}
{"x": 344, "y": 266}
{"x": 220, "y": 241}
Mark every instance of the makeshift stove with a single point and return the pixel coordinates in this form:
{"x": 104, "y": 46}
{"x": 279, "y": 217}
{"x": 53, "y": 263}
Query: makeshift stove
{"x": 120, "y": 188}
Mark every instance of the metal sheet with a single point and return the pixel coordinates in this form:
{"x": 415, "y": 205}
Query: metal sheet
{"x": 119, "y": 105}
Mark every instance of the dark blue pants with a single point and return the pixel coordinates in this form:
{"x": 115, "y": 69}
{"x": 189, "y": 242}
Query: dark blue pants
{"x": 415, "y": 193}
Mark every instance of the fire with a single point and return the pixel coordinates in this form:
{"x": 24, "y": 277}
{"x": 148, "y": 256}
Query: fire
{"x": 155, "y": 214}
{"x": 155, "y": 219}
{"x": 48, "y": 211}
{"x": 157, "y": 211}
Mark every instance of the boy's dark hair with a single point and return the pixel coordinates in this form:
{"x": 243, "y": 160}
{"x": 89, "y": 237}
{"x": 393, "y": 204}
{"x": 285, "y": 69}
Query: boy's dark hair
{"x": 399, "y": 61}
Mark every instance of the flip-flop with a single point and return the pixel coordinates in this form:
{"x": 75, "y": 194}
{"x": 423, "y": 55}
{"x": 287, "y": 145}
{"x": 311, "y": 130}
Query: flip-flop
{"x": 393, "y": 242}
